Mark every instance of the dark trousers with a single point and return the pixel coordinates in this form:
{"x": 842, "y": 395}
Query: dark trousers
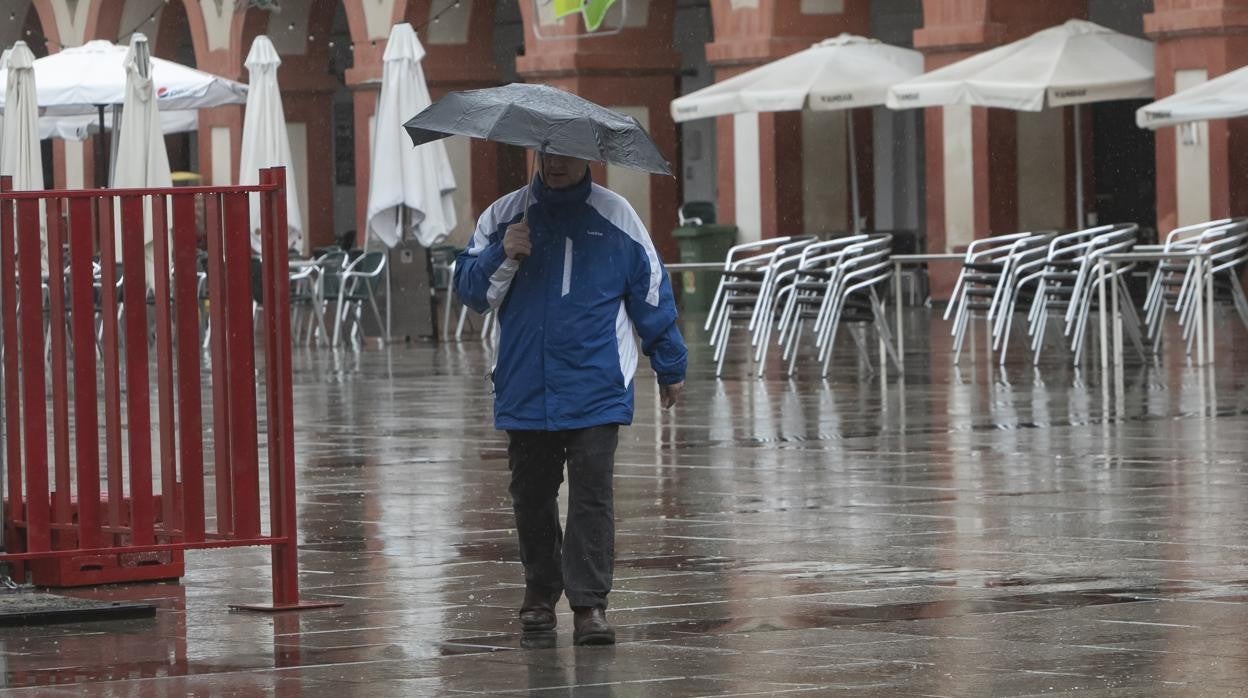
{"x": 582, "y": 563}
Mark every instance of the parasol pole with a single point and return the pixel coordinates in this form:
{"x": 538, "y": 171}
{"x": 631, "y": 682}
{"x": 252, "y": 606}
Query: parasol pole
{"x": 853, "y": 168}
{"x": 101, "y": 152}
{"x": 1079, "y": 216}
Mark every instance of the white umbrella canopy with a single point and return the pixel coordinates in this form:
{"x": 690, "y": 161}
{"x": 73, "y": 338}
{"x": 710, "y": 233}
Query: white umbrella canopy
{"x": 20, "y": 156}
{"x": 266, "y": 142}
{"x": 1224, "y": 97}
{"x": 845, "y": 72}
{"x": 141, "y": 157}
{"x": 78, "y": 128}
{"x": 142, "y": 160}
{"x": 1074, "y": 63}
{"x": 77, "y": 80}
{"x": 417, "y": 179}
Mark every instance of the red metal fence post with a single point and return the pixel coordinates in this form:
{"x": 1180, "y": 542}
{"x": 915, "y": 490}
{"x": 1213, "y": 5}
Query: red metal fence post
{"x": 62, "y": 514}
{"x": 14, "y": 511}
{"x": 169, "y": 504}
{"x": 86, "y": 415}
{"x": 241, "y": 348}
{"x": 112, "y": 365}
{"x": 190, "y": 411}
{"x": 138, "y": 390}
{"x": 219, "y": 327}
{"x": 34, "y": 389}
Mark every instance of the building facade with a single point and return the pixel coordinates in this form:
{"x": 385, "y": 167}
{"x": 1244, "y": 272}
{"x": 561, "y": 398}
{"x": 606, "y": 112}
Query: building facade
{"x": 950, "y": 175}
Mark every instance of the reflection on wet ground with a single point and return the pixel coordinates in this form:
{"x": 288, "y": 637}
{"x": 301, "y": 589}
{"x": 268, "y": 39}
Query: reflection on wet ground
{"x": 968, "y": 531}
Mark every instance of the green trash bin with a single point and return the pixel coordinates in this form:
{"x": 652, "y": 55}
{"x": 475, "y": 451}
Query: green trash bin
{"x": 701, "y": 243}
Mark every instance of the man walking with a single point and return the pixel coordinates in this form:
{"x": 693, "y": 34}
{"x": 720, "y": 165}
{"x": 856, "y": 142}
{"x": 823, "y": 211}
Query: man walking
{"x": 571, "y": 278}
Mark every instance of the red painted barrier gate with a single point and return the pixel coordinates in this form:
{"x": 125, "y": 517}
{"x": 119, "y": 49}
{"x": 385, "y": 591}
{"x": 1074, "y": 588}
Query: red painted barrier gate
{"x": 99, "y": 487}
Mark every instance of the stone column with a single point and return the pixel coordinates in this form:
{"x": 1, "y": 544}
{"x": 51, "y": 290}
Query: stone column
{"x": 786, "y": 173}
{"x": 1202, "y": 170}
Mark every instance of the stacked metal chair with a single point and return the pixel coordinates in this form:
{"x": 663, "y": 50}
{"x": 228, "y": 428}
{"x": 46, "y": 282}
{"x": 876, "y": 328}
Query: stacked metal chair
{"x": 985, "y": 284}
{"x": 839, "y": 282}
{"x": 1068, "y": 284}
{"x": 747, "y": 287}
{"x": 1178, "y": 282}
{"x": 799, "y": 287}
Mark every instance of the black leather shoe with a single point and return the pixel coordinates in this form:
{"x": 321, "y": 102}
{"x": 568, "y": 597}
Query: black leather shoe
{"x": 537, "y": 614}
{"x": 590, "y": 627}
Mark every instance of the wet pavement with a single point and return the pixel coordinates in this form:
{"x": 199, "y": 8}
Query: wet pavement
{"x": 966, "y": 531}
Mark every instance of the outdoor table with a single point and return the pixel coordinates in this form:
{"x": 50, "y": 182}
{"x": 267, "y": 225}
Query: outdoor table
{"x": 1154, "y": 253}
{"x": 900, "y": 260}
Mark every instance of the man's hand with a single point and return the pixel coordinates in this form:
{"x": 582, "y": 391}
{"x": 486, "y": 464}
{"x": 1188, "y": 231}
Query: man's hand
{"x": 669, "y": 395}
{"x": 516, "y": 243}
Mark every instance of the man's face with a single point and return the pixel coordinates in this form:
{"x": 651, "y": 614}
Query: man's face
{"x": 561, "y": 172}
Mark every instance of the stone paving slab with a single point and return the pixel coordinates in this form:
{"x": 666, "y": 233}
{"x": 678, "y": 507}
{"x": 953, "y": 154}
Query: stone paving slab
{"x": 969, "y": 531}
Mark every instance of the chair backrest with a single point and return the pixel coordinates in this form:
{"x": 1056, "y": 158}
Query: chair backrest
{"x": 366, "y": 269}
{"x": 821, "y": 254}
{"x": 1225, "y": 244}
{"x": 441, "y": 258}
{"x": 696, "y": 213}
{"x": 331, "y": 265}
{"x": 760, "y": 253}
{"x": 1190, "y": 234}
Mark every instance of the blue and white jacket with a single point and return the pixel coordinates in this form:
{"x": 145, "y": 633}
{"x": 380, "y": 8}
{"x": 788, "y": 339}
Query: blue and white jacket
{"x": 567, "y": 314}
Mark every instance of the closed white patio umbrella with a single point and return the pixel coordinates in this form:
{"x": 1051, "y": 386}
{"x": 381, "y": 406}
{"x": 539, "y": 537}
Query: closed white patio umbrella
{"x": 410, "y": 188}
{"x": 846, "y": 72}
{"x": 266, "y": 142}
{"x": 20, "y": 157}
{"x": 1071, "y": 64}
{"x": 1223, "y": 97}
{"x": 141, "y": 157}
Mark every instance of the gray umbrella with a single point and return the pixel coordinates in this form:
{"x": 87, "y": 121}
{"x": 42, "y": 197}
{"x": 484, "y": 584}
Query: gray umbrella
{"x": 542, "y": 118}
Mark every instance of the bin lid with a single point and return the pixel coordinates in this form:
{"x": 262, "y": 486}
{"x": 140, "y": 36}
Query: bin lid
{"x": 700, "y": 231}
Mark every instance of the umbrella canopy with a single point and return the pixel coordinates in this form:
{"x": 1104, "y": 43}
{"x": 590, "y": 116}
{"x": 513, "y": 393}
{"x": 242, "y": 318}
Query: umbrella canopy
{"x": 78, "y": 128}
{"x": 141, "y": 157}
{"x": 20, "y": 156}
{"x": 846, "y": 72}
{"x": 142, "y": 160}
{"x": 841, "y": 73}
{"x": 1224, "y": 97}
{"x": 416, "y": 179}
{"x": 542, "y": 118}
{"x": 266, "y": 143}
{"x": 76, "y": 80}
{"x": 1075, "y": 63}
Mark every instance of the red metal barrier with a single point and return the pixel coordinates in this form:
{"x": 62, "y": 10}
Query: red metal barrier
{"x": 79, "y": 530}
